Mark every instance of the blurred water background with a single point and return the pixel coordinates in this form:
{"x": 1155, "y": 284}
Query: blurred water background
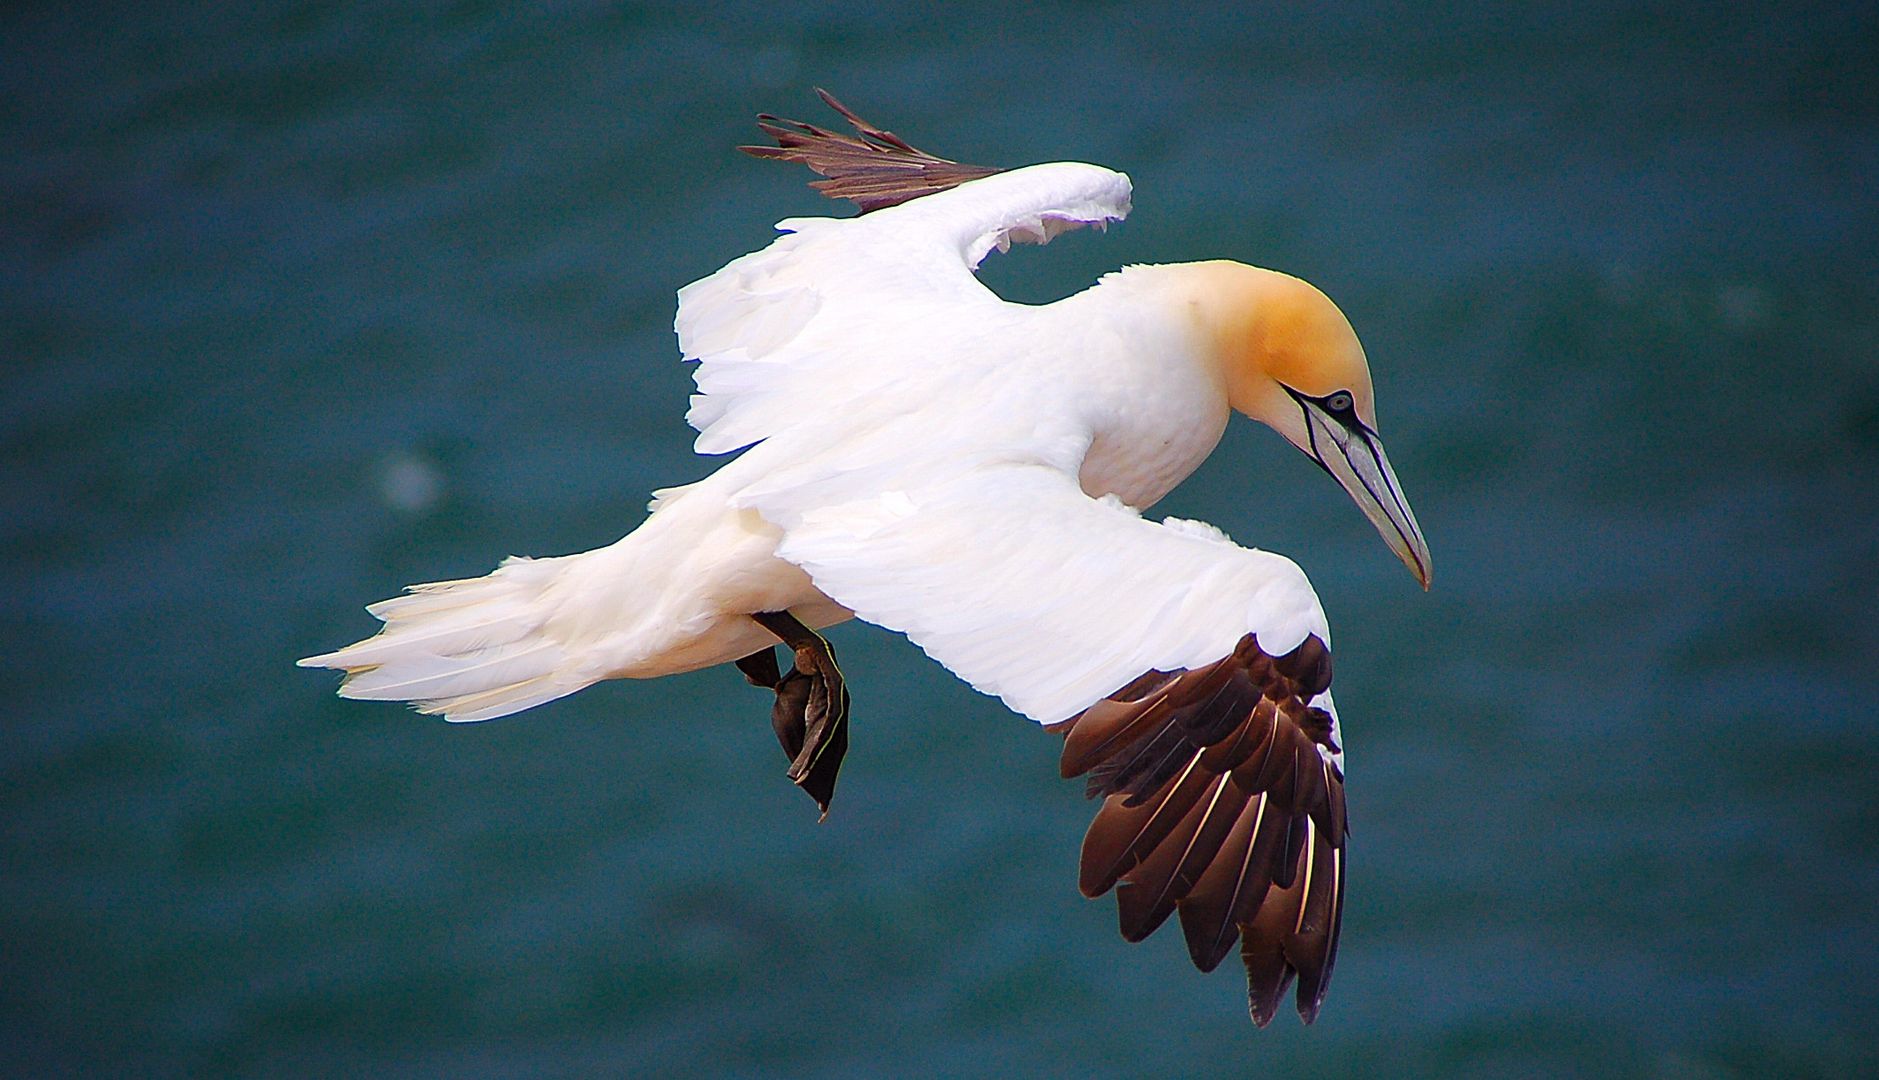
{"x": 304, "y": 302}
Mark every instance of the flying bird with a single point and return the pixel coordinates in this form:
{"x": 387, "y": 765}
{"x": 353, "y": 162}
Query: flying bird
{"x": 918, "y": 453}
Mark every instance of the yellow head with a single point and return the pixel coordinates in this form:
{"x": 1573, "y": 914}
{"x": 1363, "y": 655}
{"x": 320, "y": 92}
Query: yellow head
{"x": 1289, "y": 359}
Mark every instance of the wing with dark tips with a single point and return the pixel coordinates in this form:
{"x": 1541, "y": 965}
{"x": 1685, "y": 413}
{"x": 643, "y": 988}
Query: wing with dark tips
{"x": 1222, "y": 802}
{"x": 873, "y": 168}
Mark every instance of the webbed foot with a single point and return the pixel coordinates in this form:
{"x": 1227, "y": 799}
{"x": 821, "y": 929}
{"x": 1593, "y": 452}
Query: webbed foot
{"x": 811, "y": 711}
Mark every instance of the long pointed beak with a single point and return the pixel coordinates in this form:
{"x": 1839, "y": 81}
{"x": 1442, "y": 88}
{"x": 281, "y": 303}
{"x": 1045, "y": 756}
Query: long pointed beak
{"x": 1354, "y": 455}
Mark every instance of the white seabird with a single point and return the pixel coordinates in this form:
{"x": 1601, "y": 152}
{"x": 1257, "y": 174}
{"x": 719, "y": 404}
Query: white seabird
{"x": 923, "y": 455}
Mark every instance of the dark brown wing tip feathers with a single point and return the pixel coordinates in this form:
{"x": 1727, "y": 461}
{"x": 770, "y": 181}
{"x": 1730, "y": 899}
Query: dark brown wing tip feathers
{"x": 1219, "y": 806}
{"x": 874, "y": 168}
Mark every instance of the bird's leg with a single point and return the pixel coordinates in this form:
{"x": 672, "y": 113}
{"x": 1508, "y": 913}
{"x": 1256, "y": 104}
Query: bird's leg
{"x": 811, "y": 711}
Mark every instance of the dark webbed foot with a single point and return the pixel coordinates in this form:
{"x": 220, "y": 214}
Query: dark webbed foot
{"x": 811, "y": 711}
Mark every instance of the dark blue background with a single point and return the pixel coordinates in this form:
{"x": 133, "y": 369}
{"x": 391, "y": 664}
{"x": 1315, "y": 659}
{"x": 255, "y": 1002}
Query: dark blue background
{"x": 305, "y": 303}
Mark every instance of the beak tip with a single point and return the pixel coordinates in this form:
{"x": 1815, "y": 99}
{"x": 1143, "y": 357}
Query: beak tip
{"x": 1419, "y": 567}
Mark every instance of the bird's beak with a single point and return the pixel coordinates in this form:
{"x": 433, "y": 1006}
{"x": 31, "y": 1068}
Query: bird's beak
{"x": 1353, "y": 453}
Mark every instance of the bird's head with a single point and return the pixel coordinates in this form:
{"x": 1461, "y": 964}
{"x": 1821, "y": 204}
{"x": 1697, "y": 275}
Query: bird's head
{"x": 1289, "y": 359}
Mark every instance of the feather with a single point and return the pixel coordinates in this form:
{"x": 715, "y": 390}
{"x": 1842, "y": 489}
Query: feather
{"x": 1311, "y": 947}
{"x": 1122, "y": 835}
{"x": 420, "y": 674}
{"x": 1165, "y": 877}
{"x": 872, "y": 169}
{"x": 1263, "y": 952}
{"x": 1233, "y": 887}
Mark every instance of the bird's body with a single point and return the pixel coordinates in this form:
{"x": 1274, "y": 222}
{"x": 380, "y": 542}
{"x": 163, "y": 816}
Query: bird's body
{"x": 934, "y": 459}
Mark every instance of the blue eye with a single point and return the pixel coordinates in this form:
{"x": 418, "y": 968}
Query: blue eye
{"x": 1338, "y": 402}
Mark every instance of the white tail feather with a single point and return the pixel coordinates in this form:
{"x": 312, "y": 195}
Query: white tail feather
{"x": 417, "y": 674}
{"x": 494, "y": 703}
{"x": 477, "y": 630}
{"x": 470, "y": 650}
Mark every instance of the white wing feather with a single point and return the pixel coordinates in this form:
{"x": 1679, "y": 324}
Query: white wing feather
{"x": 1030, "y": 590}
{"x": 796, "y": 329}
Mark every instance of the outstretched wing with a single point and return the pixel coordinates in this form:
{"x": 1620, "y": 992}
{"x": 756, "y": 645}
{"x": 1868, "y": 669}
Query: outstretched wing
{"x": 874, "y": 168}
{"x": 1194, "y": 674}
{"x": 1022, "y": 585}
{"x": 838, "y": 309}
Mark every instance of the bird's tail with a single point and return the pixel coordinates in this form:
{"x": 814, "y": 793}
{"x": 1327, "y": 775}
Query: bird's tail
{"x": 470, "y": 650}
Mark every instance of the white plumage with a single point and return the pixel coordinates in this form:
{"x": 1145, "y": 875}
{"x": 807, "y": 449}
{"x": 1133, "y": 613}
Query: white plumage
{"x": 914, "y": 450}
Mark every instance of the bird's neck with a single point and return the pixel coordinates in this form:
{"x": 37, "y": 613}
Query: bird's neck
{"x": 1155, "y": 402}
{"x": 1204, "y": 312}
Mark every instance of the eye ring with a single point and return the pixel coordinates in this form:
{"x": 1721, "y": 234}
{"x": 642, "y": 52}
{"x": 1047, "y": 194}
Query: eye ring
{"x": 1339, "y": 402}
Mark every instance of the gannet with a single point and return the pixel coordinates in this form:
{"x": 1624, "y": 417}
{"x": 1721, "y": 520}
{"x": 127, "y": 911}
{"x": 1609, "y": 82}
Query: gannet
{"x": 921, "y": 454}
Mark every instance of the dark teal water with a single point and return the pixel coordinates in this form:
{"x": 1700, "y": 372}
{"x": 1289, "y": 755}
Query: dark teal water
{"x": 307, "y": 302}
